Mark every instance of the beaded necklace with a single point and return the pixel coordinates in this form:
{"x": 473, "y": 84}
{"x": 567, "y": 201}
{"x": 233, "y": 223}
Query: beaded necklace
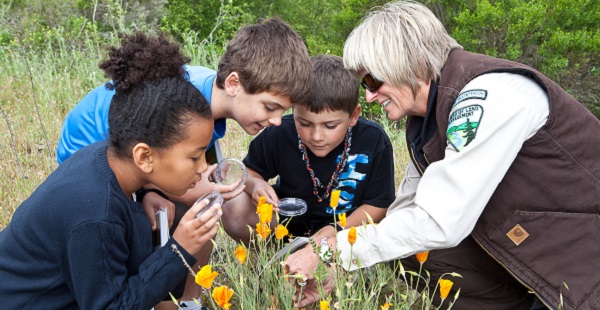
{"x": 338, "y": 170}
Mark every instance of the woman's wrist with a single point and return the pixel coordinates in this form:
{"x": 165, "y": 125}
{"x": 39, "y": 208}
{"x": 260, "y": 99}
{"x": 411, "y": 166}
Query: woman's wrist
{"x": 325, "y": 231}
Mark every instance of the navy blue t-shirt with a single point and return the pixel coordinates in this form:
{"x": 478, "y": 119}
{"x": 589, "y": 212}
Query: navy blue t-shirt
{"x": 367, "y": 178}
{"x": 79, "y": 243}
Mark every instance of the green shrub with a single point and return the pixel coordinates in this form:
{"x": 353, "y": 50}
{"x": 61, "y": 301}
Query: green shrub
{"x": 560, "y": 38}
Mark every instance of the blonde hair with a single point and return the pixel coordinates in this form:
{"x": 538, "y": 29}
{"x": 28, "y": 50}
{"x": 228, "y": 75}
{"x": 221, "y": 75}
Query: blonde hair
{"x": 400, "y": 43}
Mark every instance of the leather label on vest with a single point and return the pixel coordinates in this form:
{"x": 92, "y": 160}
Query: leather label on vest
{"x": 517, "y": 234}
{"x": 462, "y": 126}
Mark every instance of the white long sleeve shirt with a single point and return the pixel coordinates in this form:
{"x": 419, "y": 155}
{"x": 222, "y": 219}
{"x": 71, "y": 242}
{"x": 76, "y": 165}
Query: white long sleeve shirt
{"x": 440, "y": 208}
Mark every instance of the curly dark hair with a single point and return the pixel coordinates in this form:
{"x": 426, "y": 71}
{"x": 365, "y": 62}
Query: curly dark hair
{"x": 142, "y": 58}
{"x": 154, "y": 100}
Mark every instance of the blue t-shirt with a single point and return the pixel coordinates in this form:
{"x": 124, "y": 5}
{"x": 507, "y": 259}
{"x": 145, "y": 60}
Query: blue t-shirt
{"x": 88, "y": 121}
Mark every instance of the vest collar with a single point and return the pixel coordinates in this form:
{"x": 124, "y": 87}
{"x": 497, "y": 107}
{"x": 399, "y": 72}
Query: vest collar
{"x": 419, "y": 130}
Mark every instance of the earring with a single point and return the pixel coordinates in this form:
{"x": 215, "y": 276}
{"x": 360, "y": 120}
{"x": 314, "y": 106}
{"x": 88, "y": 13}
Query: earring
{"x": 349, "y": 129}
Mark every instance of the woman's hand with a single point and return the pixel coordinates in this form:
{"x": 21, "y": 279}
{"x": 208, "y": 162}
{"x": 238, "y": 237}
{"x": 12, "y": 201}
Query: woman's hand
{"x": 193, "y": 233}
{"x": 152, "y": 203}
{"x": 305, "y": 262}
{"x": 310, "y": 292}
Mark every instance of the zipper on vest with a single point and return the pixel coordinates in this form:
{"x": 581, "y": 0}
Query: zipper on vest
{"x": 542, "y": 300}
{"x": 414, "y": 159}
{"x": 426, "y": 160}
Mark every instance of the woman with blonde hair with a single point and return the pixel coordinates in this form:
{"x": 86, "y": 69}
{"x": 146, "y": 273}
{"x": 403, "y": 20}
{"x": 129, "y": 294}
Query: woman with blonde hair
{"x": 503, "y": 185}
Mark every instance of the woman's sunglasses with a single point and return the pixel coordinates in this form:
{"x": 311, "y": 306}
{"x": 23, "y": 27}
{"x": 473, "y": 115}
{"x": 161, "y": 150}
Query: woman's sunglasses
{"x": 370, "y": 83}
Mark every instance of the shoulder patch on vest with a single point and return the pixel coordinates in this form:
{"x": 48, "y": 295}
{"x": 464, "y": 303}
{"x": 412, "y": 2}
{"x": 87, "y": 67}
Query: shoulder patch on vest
{"x": 462, "y": 126}
{"x": 480, "y": 94}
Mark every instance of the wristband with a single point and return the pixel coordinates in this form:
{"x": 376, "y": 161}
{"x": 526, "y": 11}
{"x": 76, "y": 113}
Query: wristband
{"x": 140, "y": 193}
{"x": 189, "y": 305}
{"x": 337, "y": 227}
{"x": 325, "y": 252}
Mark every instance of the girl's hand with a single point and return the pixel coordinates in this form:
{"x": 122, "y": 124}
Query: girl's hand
{"x": 193, "y": 233}
{"x": 152, "y": 203}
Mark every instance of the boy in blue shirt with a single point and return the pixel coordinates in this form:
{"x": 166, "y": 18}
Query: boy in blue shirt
{"x": 264, "y": 70}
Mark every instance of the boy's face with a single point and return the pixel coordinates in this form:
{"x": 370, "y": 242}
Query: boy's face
{"x": 322, "y": 132}
{"x": 254, "y": 112}
{"x": 257, "y": 111}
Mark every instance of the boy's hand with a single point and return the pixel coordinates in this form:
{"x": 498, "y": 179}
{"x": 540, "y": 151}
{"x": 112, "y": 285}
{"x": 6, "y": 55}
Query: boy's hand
{"x": 205, "y": 185}
{"x": 152, "y": 203}
{"x": 227, "y": 191}
{"x": 230, "y": 191}
{"x": 193, "y": 233}
{"x": 262, "y": 188}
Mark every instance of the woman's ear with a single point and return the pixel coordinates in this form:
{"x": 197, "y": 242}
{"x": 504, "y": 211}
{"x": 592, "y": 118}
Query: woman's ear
{"x": 143, "y": 157}
{"x": 354, "y": 116}
{"x": 232, "y": 84}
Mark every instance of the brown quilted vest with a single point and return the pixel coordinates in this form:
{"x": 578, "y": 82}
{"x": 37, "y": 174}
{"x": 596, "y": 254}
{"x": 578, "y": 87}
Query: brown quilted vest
{"x": 543, "y": 221}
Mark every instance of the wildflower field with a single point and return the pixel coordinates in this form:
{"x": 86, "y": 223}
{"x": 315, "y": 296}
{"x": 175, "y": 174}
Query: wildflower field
{"x": 249, "y": 278}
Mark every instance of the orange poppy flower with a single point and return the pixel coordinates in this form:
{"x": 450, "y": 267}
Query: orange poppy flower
{"x": 445, "y": 287}
{"x": 265, "y": 212}
{"x": 263, "y": 230}
{"x": 324, "y": 305}
{"x": 206, "y": 276}
{"x": 222, "y": 295}
{"x": 422, "y": 256}
{"x": 342, "y": 219}
{"x": 352, "y": 235}
{"x": 335, "y": 198}
{"x": 280, "y": 231}
{"x": 386, "y": 306}
{"x": 261, "y": 200}
{"x": 240, "y": 254}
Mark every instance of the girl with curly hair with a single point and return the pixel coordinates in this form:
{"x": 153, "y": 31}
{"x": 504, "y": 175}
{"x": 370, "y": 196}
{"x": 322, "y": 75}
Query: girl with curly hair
{"x": 81, "y": 240}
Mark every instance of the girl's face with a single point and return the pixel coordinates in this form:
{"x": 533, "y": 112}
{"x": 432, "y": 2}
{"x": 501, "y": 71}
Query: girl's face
{"x": 178, "y": 168}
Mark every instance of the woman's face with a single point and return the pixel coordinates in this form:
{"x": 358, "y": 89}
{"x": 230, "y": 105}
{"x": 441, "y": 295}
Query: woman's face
{"x": 178, "y": 168}
{"x": 400, "y": 102}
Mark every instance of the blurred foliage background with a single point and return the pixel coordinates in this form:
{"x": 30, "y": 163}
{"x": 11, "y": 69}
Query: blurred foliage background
{"x": 561, "y": 38}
